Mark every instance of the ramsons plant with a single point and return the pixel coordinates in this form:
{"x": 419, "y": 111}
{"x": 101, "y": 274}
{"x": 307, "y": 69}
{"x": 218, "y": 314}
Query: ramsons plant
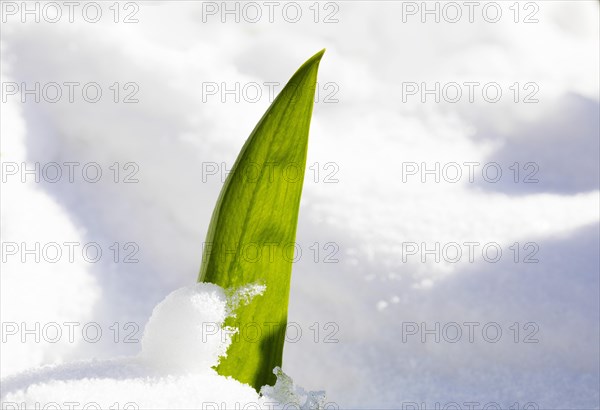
{"x": 262, "y": 212}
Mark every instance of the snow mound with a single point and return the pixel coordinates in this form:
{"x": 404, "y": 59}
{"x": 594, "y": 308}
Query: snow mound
{"x": 187, "y": 325}
{"x": 182, "y": 341}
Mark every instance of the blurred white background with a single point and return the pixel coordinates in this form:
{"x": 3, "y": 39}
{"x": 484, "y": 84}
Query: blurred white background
{"x": 360, "y": 205}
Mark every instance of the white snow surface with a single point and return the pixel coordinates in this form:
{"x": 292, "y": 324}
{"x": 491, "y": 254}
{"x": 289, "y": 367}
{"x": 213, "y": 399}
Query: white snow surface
{"x": 353, "y": 314}
{"x": 182, "y": 341}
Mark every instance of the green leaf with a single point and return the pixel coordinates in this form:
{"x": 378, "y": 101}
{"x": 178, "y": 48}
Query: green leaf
{"x": 252, "y": 232}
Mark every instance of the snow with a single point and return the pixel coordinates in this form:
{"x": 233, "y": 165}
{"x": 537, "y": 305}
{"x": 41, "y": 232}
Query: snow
{"x": 353, "y": 313}
{"x": 183, "y": 340}
{"x": 187, "y": 324}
